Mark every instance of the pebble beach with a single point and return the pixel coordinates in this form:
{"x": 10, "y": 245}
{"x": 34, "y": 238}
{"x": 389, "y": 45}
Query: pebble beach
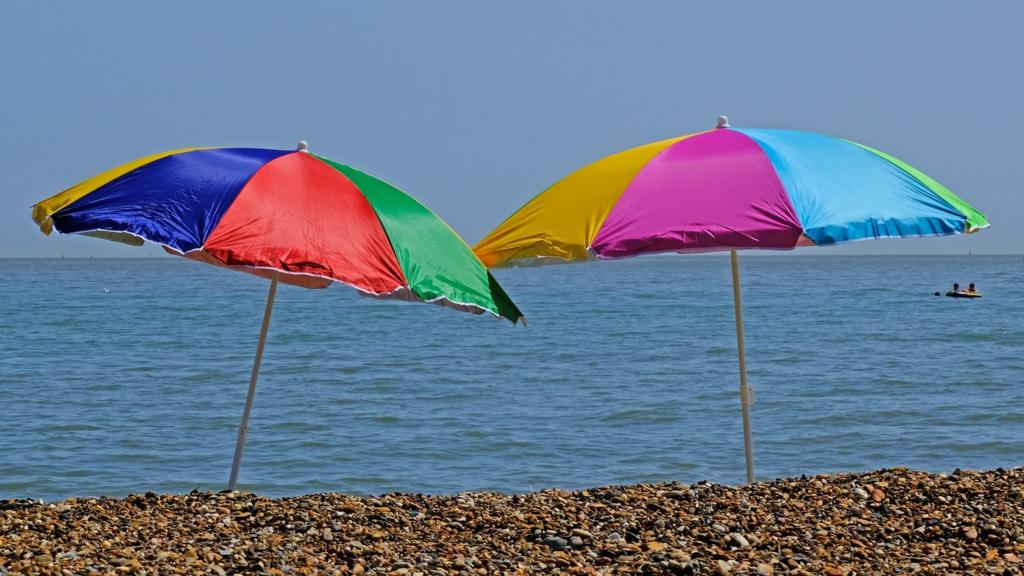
{"x": 893, "y": 521}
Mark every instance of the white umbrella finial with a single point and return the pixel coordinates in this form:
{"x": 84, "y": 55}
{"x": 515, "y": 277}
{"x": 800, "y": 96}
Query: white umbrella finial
{"x": 723, "y": 122}
{"x": 303, "y": 146}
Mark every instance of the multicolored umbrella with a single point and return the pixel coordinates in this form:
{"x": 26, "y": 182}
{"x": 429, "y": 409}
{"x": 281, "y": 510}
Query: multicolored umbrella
{"x": 728, "y": 189}
{"x": 288, "y": 215}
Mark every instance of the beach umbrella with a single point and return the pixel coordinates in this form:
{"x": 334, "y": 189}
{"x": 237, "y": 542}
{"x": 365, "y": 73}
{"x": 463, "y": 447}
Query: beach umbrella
{"x": 728, "y": 189}
{"x": 287, "y": 215}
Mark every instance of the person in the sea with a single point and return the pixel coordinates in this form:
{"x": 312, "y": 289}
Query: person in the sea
{"x": 970, "y": 289}
{"x": 956, "y": 287}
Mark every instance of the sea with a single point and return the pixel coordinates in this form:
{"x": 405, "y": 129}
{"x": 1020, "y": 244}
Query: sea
{"x": 122, "y": 376}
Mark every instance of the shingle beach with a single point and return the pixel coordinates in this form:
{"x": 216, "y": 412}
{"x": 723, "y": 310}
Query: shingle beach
{"x": 884, "y": 522}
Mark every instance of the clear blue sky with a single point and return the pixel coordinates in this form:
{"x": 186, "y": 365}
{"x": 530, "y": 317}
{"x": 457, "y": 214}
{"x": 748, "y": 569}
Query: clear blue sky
{"x": 474, "y": 107}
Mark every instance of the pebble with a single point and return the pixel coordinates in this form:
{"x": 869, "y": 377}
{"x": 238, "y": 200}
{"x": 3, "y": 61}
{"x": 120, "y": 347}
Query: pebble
{"x": 738, "y": 540}
{"x": 554, "y": 542}
{"x": 967, "y": 522}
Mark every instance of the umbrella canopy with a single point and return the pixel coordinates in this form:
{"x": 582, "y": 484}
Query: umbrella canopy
{"x": 724, "y": 189}
{"x": 728, "y": 189}
{"x": 311, "y": 219}
{"x": 288, "y": 215}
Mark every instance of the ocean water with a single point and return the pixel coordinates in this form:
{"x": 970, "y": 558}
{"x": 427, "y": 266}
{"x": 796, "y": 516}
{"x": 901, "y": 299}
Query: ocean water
{"x": 121, "y": 376}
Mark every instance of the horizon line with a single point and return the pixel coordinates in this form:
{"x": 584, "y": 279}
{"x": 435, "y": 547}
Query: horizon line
{"x": 777, "y": 253}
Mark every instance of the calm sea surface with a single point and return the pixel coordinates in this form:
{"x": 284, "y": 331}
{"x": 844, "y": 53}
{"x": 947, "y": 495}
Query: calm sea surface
{"x": 121, "y": 376}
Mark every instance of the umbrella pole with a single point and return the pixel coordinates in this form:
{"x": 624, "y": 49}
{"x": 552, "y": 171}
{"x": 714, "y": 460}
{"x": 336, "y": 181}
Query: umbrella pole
{"x": 244, "y": 427}
{"x": 744, "y": 389}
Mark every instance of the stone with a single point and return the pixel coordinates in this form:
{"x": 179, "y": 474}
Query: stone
{"x": 739, "y": 540}
{"x": 582, "y": 533}
{"x": 575, "y": 541}
{"x": 554, "y": 542}
{"x": 861, "y": 493}
{"x": 654, "y": 546}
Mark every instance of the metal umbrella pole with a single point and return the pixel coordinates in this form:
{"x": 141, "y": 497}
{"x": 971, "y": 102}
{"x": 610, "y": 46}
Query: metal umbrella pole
{"x": 745, "y": 398}
{"x": 244, "y": 427}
